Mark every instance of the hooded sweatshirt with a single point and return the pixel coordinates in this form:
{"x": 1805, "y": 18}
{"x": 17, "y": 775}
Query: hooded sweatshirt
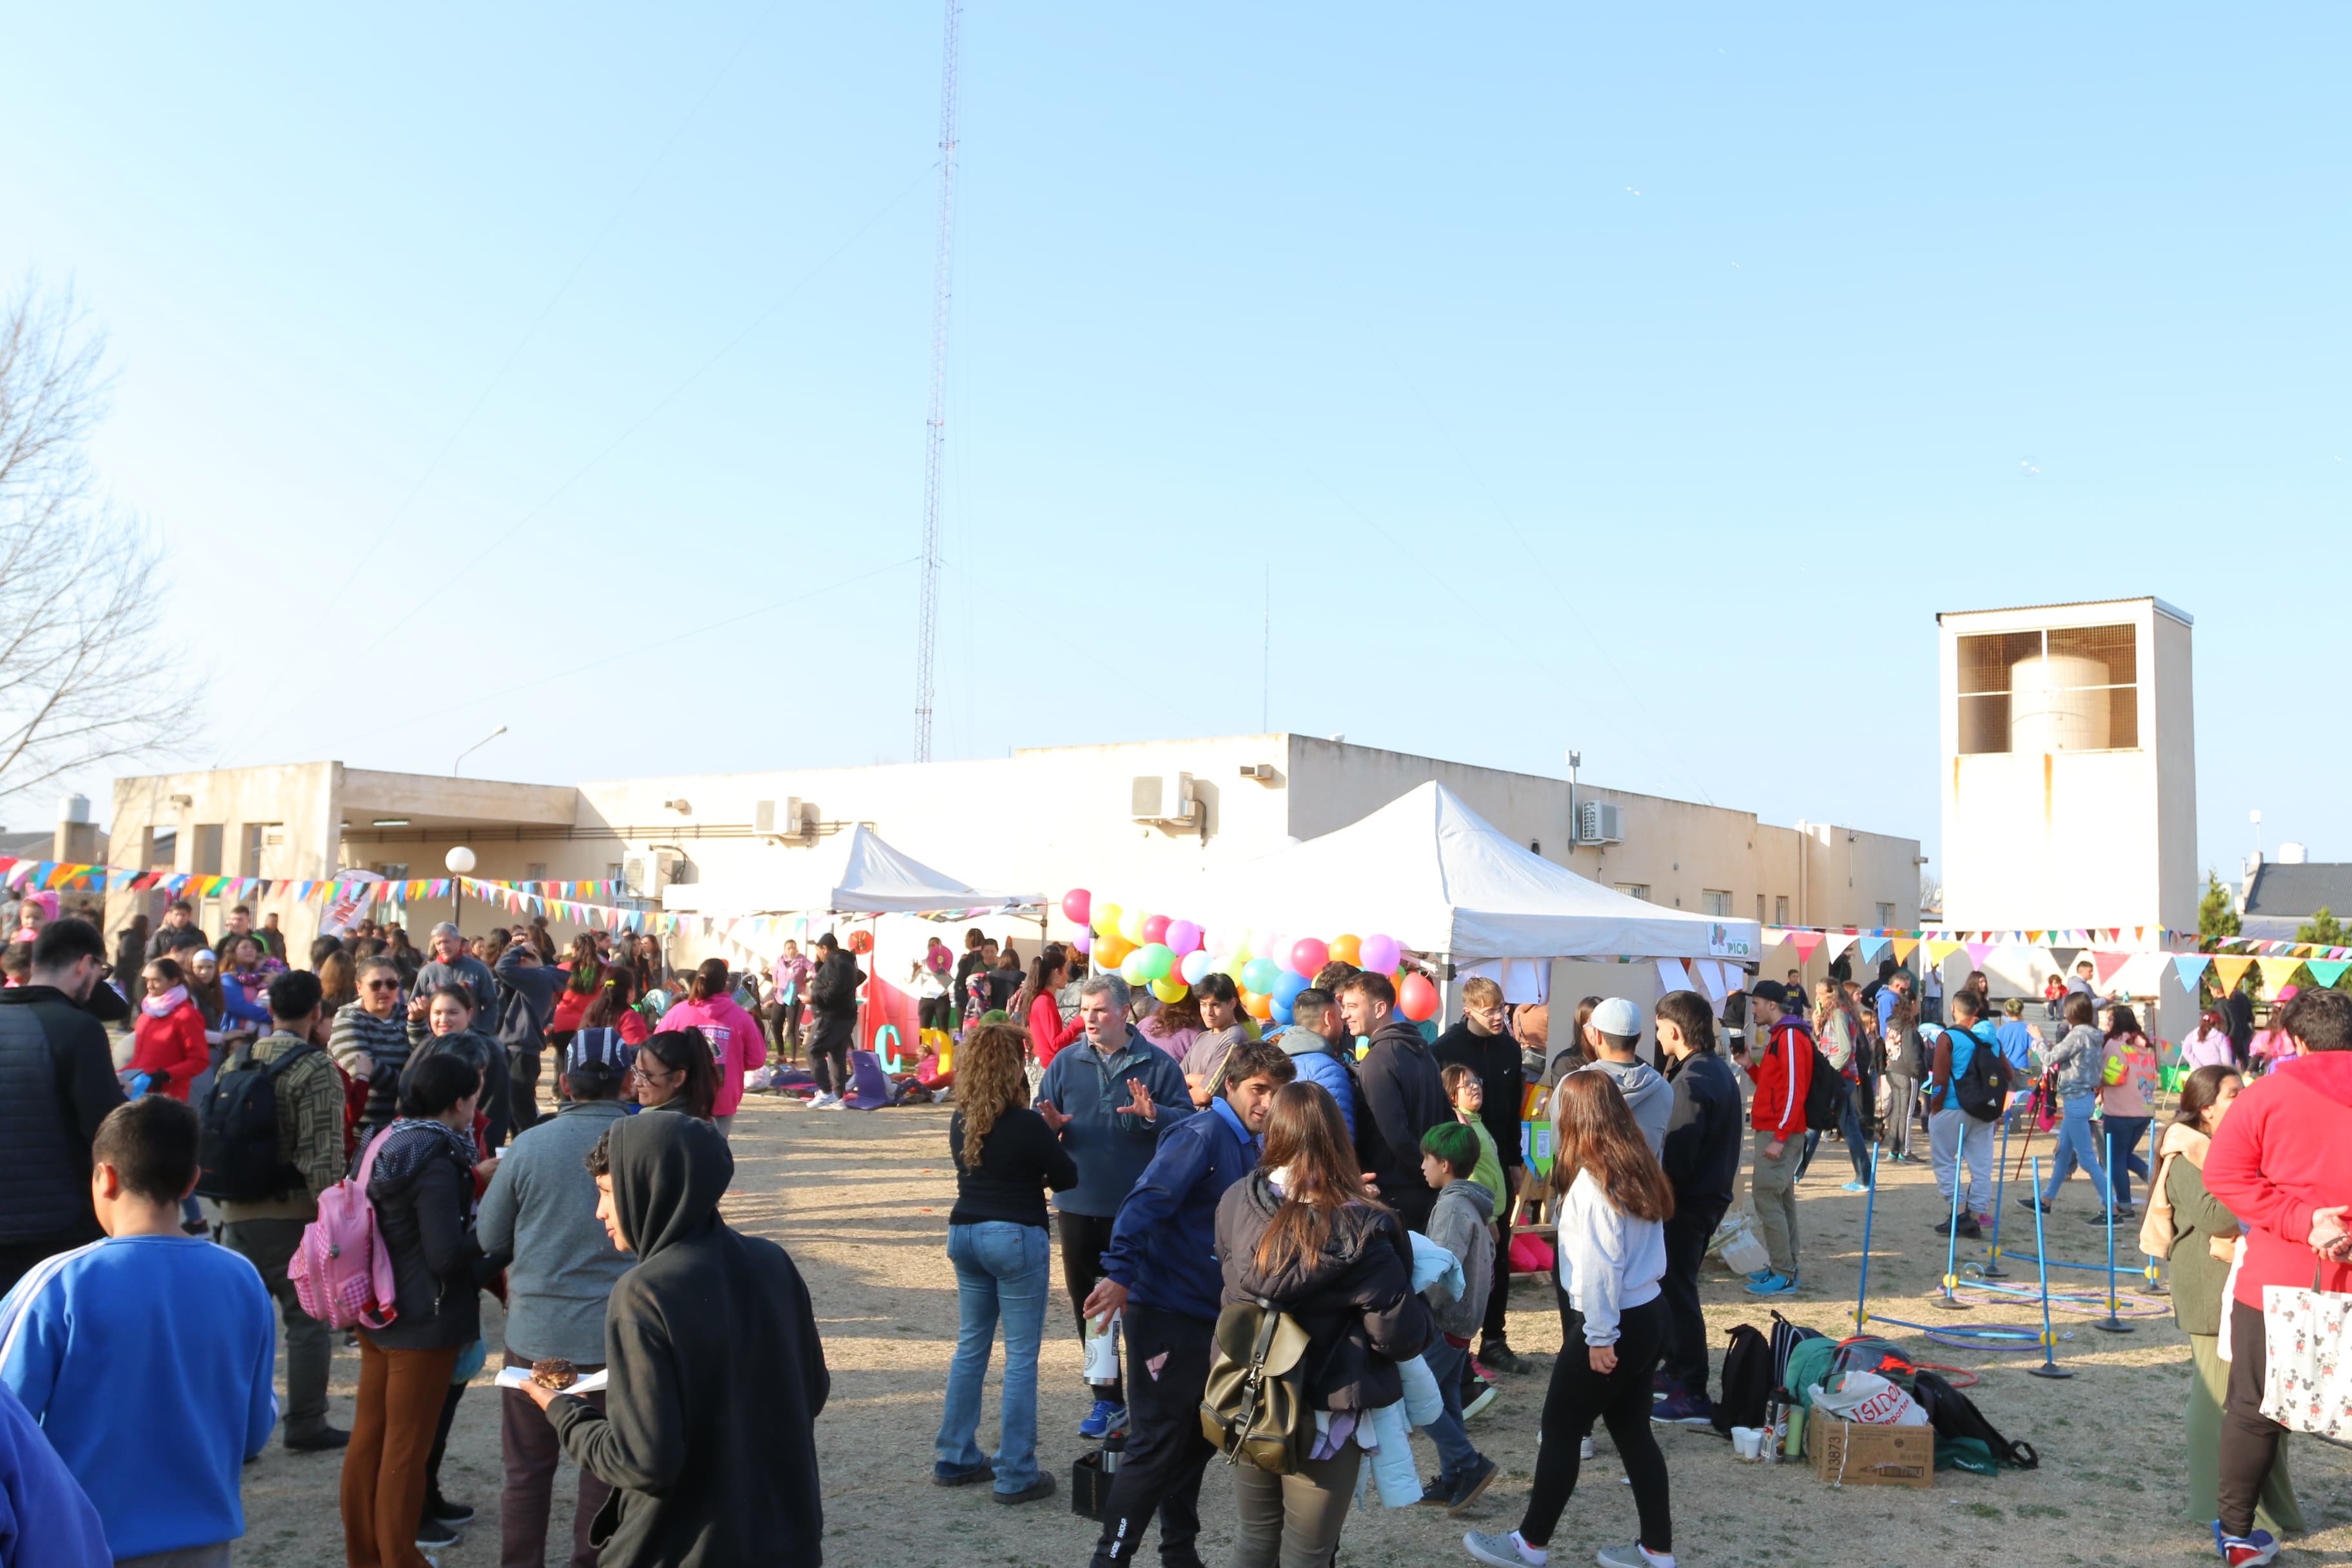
{"x": 1783, "y": 1072}
{"x": 1701, "y": 1153}
{"x": 2078, "y": 1060}
{"x": 2284, "y": 1149}
{"x": 708, "y": 1434}
{"x": 1459, "y": 1224}
{"x": 1317, "y": 1062}
{"x": 1404, "y": 1097}
{"x": 1649, "y": 1097}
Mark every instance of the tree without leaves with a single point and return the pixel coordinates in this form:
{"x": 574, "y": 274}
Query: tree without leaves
{"x": 84, "y": 678}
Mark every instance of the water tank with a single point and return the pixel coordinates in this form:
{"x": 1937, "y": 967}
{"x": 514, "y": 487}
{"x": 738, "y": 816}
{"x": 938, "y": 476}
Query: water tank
{"x": 74, "y": 808}
{"x": 2293, "y": 854}
{"x": 2049, "y": 710}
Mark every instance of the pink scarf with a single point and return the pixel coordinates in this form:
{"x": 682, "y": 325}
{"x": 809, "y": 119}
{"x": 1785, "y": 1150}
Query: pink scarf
{"x": 163, "y": 1006}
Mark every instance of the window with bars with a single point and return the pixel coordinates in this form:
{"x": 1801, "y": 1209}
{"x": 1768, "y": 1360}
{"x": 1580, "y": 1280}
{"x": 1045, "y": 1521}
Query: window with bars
{"x": 2066, "y": 689}
{"x": 1716, "y": 902}
{"x": 1638, "y": 889}
{"x": 1780, "y": 908}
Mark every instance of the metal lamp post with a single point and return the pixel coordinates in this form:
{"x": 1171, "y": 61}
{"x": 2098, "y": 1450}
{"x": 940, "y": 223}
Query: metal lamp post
{"x": 460, "y": 862}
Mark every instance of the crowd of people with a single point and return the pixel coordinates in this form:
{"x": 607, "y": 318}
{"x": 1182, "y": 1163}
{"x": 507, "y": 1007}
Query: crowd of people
{"x": 1353, "y": 1175}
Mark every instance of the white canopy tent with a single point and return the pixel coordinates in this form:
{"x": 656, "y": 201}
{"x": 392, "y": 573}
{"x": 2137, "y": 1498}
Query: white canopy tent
{"x": 854, "y": 873}
{"x": 1443, "y": 880}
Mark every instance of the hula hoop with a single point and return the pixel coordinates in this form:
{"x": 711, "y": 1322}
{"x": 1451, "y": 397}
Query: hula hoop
{"x": 2084, "y": 1304}
{"x": 1984, "y": 1337}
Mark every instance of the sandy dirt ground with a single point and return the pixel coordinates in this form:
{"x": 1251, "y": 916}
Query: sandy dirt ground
{"x": 861, "y": 1200}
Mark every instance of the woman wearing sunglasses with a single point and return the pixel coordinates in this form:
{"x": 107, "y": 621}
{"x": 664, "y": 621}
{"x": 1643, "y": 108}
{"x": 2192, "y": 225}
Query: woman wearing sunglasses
{"x": 371, "y": 1041}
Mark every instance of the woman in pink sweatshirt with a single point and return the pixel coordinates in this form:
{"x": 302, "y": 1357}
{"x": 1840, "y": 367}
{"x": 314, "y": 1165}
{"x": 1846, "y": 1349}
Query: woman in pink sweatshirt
{"x": 736, "y": 1044}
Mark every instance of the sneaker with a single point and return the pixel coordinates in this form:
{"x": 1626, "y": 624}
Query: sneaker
{"x": 1662, "y": 1385}
{"x": 1634, "y": 1554}
{"x": 456, "y": 1515}
{"x": 324, "y": 1440}
{"x": 1474, "y": 1482}
{"x": 2029, "y": 1201}
{"x": 1480, "y": 1393}
{"x": 1969, "y": 1227}
{"x": 2100, "y": 1218}
{"x": 1103, "y": 1420}
{"x": 1437, "y": 1491}
{"x": 1505, "y": 1359}
{"x": 432, "y": 1535}
{"x": 1684, "y": 1410}
{"x": 1774, "y": 1285}
{"x": 1478, "y": 1370}
{"x": 1501, "y": 1549}
{"x": 1760, "y": 1276}
{"x": 1849, "y": 1187}
{"x": 1583, "y": 1447}
{"x": 836, "y": 1104}
{"x": 943, "y": 1477}
{"x": 2246, "y": 1550}
{"x": 1037, "y": 1490}
{"x": 819, "y": 1100}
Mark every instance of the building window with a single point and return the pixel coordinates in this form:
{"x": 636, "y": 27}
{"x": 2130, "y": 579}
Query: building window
{"x": 1716, "y": 902}
{"x": 207, "y": 861}
{"x": 1886, "y": 916}
{"x": 393, "y": 871}
{"x": 1635, "y": 889}
{"x": 536, "y": 871}
{"x": 1780, "y": 908}
{"x": 1760, "y": 908}
{"x": 2069, "y": 688}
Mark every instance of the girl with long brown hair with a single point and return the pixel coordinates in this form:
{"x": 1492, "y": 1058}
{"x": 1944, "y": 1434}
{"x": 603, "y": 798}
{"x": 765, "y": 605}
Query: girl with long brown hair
{"x": 1005, "y": 1157}
{"x": 1300, "y": 1233}
{"x": 1614, "y": 1201}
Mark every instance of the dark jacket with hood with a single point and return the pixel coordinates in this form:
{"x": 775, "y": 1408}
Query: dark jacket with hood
{"x": 1496, "y": 1059}
{"x": 1703, "y": 1132}
{"x": 1403, "y": 1097}
{"x": 57, "y": 1084}
{"x": 708, "y": 1432}
{"x": 422, "y": 1185}
{"x": 1356, "y": 1300}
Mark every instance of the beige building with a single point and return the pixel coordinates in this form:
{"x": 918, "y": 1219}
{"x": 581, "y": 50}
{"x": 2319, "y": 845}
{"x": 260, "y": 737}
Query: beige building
{"x": 1040, "y": 820}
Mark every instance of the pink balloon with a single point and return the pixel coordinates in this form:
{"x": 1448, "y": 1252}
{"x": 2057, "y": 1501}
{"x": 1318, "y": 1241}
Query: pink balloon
{"x": 1273, "y": 946}
{"x": 1309, "y": 954}
{"x": 1181, "y": 937}
{"x": 1418, "y": 1000}
{"x": 1381, "y": 953}
{"x": 1155, "y": 929}
{"x": 1075, "y": 905}
{"x": 1083, "y": 941}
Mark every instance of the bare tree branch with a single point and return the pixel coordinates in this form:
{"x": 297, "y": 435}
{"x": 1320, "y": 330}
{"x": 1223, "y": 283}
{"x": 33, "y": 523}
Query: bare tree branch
{"x": 83, "y": 679}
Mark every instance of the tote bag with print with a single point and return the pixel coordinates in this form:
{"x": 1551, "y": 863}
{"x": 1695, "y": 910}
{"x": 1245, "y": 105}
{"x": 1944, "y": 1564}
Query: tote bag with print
{"x": 2306, "y": 1372}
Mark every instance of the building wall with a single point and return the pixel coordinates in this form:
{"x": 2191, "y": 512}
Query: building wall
{"x": 297, "y": 804}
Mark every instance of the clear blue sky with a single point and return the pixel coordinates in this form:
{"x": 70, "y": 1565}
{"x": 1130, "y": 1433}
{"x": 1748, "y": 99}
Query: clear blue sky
{"x": 1643, "y": 382}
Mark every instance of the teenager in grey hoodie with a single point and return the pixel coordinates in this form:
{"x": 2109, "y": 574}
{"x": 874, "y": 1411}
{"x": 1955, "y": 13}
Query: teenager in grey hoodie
{"x": 1617, "y": 1029}
{"x": 1459, "y": 1224}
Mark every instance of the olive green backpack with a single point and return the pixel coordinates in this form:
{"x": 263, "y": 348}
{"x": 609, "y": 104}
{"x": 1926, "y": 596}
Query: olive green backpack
{"x": 1253, "y": 1408}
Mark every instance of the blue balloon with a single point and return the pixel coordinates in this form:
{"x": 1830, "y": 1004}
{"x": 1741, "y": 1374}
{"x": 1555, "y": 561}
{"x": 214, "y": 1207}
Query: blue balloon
{"x": 1279, "y": 1007}
{"x": 1285, "y": 991}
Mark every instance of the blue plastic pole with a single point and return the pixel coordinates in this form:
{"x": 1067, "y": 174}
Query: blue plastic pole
{"x": 2048, "y": 1367}
{"x": 2117, "y": 1173}
{"x": 1952, "y": 1242}
{"x": 1992, "y": 1269}
{"x": 1869, "y": 1211}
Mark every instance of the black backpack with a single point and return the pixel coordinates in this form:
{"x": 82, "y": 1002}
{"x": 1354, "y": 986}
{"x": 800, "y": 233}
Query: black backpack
{"x": 1983, "y": 1090}
{"x": 1825, "y": 1092}
{"x": 237, "y": 1147}
{"x": 1954, "y": 1414}
{"x": 1747, "y": 1380}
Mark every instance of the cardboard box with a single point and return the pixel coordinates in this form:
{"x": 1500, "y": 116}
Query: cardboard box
{"x": 1850, "y": 1454}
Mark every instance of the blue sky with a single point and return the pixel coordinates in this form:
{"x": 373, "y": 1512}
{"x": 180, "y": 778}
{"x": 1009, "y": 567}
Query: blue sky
{"x": 1643, "y": 382}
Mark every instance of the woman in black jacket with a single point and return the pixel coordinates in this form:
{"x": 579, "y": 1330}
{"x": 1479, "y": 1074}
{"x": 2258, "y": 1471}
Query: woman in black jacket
{"x": 420, "y": 1179}
{"x": 1301, "y": 1234}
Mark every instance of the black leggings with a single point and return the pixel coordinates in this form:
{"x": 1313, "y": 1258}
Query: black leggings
{"x": 1083, "y": 1236}
{"x": 1622, "y": 1400}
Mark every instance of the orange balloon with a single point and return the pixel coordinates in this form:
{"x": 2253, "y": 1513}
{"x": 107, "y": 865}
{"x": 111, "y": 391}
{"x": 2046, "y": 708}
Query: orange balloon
{"x": 1257, "y": 1005}
{"x": 1110, "y": 951}
{"x": 1347, "y": 948}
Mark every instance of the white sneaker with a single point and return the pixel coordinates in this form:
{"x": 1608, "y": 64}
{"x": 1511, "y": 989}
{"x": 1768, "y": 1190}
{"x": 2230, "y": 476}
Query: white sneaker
{"x": 1634, "y": 1554}
{"x": 820, "y": 1100}
{"x": 1585, "y": 1449}
{"x": 836, "y": 1104}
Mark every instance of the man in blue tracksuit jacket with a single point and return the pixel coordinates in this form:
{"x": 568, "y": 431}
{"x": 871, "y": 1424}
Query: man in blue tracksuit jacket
{"x": 1162, "y": 1276}
{"x": 1110, "y": 1095}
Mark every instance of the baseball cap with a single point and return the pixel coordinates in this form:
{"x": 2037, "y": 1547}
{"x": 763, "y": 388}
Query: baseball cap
{"x": 1618, "y": 1018}
{"x": 1770, "y": 991}
{"x": 599, "y": 1051}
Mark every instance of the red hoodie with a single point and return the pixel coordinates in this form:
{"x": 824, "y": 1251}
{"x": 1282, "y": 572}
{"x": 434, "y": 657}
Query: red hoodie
{"x": 2284, "y": 1150}
{"x": 1783, "y": 1074}
{"x": 1047, "y": 1032}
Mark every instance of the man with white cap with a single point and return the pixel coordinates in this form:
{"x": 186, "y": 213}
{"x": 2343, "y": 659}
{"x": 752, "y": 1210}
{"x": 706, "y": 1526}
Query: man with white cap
{"x": 1617, "y": 1029}
{"x": 453, "y": 965}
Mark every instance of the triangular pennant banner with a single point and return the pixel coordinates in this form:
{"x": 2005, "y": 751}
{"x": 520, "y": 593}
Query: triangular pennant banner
{"x": 1905, "y": 946}
{"x": 2326, "y": 972}
{"x": 2228, "y": 970}
{"x": 1873, "y": 947}
{"x": 1836, "y": 942}
{"x": 1806, "y": 941}
{"x": 1939, "y": 951}
{"x": 1978, "y": 952}
{"x": 2190, "y": 966}
{"x": 2278, "y": 972}
{"x": 2104, "y": 964}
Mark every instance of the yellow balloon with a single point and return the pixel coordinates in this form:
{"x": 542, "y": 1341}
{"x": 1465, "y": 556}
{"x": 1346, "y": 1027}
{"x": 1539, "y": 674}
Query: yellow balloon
{"x": 1106, "y": 919}
{"x": 1130, "y": 926}
{"x": 1168, "y": 990}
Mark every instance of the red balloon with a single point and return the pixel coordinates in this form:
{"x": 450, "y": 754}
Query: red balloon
{"x": 1076, "y": 904}
{"x": 1155, "y": 929}
{"x": 1418, "y": 999}
{"x": 1308, "y": 956}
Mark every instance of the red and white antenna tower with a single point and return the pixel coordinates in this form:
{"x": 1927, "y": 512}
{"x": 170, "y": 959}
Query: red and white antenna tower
{"x": 927, "y": 615}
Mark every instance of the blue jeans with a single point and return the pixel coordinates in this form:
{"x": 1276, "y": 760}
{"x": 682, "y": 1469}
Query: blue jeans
{"x": 1456, "y": 1453}
{"x": 2076, "y": 1147}
{"x": 1001, "y": 1270}
{"x": 2123, "y": 1141}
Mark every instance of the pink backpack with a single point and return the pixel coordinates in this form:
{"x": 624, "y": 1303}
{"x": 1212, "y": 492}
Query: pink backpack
{"x": 342, "y": 1271}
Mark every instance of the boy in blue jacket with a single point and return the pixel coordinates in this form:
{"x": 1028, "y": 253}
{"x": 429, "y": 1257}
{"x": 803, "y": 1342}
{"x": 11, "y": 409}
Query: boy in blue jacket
{"x": 1110, "y": 1097}
{"x": 1161, "y": 1272}
{"x": 146, "y": 1357}
{"x": 1317, "y": 1044}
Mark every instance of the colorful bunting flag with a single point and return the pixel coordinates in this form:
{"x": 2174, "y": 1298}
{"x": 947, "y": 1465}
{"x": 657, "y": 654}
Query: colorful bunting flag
{"x": 2191, "y": 967}
{"x": 2278, "y": 972}
{"x": 2227, "y": 971}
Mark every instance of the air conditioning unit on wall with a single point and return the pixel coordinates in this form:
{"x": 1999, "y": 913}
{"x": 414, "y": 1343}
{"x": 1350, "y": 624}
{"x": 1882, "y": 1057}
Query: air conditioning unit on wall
{"x": 1600, "y": 822}
{"x": 1162, "y": 798}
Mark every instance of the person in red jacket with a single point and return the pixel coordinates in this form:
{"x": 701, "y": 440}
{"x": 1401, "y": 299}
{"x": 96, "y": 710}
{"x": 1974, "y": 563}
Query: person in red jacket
{"x": 1047, "y": 1032}
{"x": 1783, "y": 1072}
{"x": 168, "y": 1041}
{"x": 2282, "y": 1162}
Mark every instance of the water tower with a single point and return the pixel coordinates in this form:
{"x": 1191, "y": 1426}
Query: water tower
{"x": 2069, "y": 771}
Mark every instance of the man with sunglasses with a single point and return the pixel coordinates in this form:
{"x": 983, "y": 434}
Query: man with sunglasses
{"x": 57, "y": 1084}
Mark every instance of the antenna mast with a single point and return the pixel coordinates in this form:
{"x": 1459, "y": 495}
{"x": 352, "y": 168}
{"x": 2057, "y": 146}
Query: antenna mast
{"x": 927, "y": 613}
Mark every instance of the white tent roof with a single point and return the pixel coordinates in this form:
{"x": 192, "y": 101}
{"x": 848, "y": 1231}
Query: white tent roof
{"x": 856, "y": 872}
{"x": 1430, "y": 872}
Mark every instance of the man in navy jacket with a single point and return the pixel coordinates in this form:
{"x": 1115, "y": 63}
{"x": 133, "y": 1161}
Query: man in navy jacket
{"x": 1161, "y": 1272}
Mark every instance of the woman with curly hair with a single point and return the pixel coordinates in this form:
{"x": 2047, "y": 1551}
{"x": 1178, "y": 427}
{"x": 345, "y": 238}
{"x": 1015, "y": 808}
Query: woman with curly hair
{"x": 1006, "y": 1155}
